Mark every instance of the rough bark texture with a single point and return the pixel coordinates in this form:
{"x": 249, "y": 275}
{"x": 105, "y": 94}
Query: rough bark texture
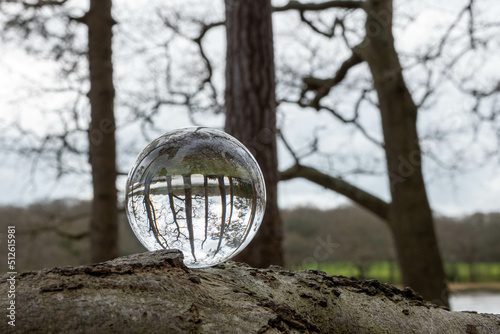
{"x": 410, "y": 216}
{"x": 102, "y": 146}
{"x": 155, "y": 293}
{"x": 251, "y": 112}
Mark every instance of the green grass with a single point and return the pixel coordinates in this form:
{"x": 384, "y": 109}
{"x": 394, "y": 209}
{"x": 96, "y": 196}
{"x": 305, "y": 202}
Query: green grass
{"x": 481, "y": 272}
{"x": 382, "y": 271}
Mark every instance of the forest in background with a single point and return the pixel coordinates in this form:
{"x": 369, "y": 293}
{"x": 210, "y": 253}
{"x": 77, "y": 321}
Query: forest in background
{"x": 342, "y": 241}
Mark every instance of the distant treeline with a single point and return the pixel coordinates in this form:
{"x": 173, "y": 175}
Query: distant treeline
{"x": 350, "y": 234}
{"x": 56, "y": 234}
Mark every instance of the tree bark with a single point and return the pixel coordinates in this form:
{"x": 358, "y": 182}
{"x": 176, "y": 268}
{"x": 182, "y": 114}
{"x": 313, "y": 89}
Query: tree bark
{"x": 102, "y": 146}
{"x": 251, "y": 112}
{"x": 154, "y": 292}
{"x": 410, "y": 216}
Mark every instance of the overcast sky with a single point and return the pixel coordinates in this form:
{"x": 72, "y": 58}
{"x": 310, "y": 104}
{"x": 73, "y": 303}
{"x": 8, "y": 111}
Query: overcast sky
{"x": 477, "y": 189}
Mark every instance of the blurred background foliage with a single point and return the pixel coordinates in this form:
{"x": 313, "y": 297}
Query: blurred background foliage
{"x": 344, "y": 241}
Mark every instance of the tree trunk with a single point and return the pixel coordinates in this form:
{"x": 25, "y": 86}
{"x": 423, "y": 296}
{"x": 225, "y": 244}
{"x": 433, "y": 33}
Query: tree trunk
{"x": 155, "y": 293}
{"x": 104, "y": 216}
{"x": 410, "y": 216}
{"x": 251, "y": 112}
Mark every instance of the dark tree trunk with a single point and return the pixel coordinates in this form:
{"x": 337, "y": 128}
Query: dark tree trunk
{"x": 104, "y": 220}
{"x": 251, "y": 112}
{"x": 410, "y": 216}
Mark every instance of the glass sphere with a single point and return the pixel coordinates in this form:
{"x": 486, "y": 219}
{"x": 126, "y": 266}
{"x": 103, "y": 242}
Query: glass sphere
{"x": 198, "y": 190}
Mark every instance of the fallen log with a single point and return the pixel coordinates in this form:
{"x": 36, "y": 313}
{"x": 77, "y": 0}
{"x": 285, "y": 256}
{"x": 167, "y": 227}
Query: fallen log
{"x": 155, "y": 293}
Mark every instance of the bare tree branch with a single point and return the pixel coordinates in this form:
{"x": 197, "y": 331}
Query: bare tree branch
{"x": 355, "y": 122}
{"x": 363, "y": 198}
{"x": 442, "y": 43}
{"x": 471, "y": 25}
{"x": 206, "y": 27}
{"x": 42, "y": 3}
{"x": 205, "y": 84}
{"x": 297, "y": 5}
{"x": 330, "y": 33}
{"x": 288, "y": 147}
{"x": 323, "y": 86}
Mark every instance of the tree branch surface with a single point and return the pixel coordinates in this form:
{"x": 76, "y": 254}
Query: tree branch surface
{"x": 154, "y": 292}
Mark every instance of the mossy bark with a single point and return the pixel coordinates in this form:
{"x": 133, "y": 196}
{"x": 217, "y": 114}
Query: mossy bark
{"x": 155, "y": 293}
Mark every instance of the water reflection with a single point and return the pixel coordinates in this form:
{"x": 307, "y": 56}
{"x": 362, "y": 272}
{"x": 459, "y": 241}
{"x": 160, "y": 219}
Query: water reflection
{"x": 479, "y": 301}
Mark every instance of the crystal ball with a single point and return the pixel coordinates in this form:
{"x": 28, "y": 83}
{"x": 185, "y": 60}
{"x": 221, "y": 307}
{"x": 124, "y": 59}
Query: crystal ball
{"x": 198, "y": 190}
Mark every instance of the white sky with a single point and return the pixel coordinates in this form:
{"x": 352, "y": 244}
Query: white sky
{"x": 451, "y": 194}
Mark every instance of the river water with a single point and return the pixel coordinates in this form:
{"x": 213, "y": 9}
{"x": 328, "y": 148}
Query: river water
{"x": 479, "y": 301}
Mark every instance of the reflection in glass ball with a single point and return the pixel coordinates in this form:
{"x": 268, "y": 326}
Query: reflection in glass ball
{"x": 198, "y": 190}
